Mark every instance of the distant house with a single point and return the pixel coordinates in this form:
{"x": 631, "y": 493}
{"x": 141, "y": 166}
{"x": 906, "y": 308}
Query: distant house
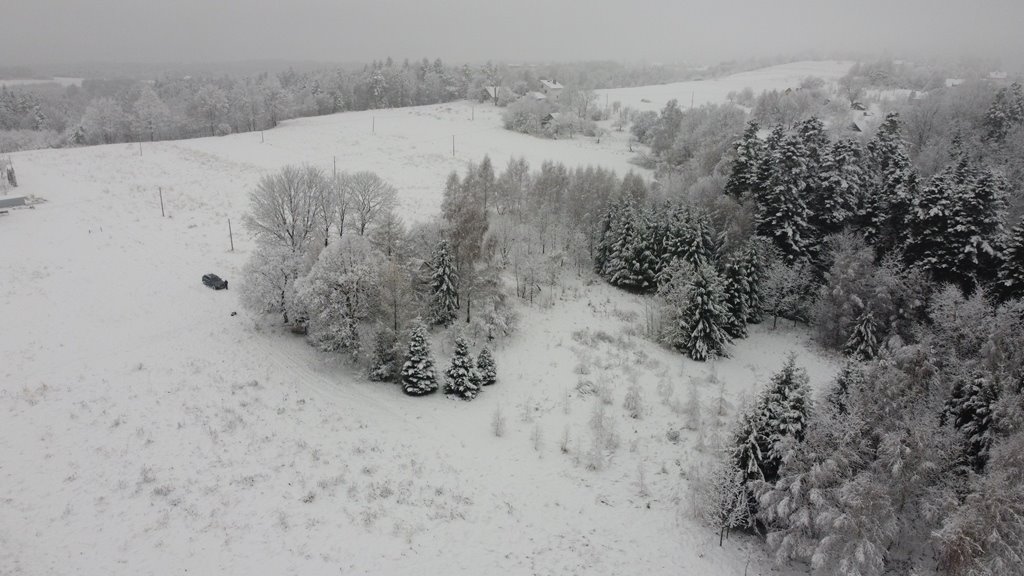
{"x": 492, "y": 93}
{"x": 855, "y": 127}
{"x": 547, "y": 119}
{"x": 952, "y": 82}
{"x": 997, "y": 75}
{"x": 858, "y": 106}
{"x": 551, "y": 88}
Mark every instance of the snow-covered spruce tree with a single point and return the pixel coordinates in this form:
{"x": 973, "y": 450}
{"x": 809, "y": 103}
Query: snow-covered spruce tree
{"x": 752, "y": 266}
{"x": 750, "y": 444}
{"x": 886, "y": 203}
{"x": 997, "y": 119}
{"x": 418, "y": 376}
{"x": 700, "y": 250}
{"x": 736, "y": 291}
{"x": 704, "y": 318}
{"x": 785, "y": 408}
{"x": 815, "y": 144}
{"x": 970, "y": 410}
{"x": 486, "y": 368}
{"x": 781, "y": 212}
{"x": 460, "y": 378}
{"x": 1011, "y": 266}
{"x": 956, "y": 223}
{"x": 863, "y": 341}
{"x": 384, "y": 359}
{"x": 743, "y": 181}
{"x": 841, "y": 184}
{"x": 444, "y": 281}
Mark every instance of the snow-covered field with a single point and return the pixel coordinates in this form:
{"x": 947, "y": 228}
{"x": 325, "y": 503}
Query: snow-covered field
{"x": 148, "y": 430}
{"x": 712, "y": 91}
{"x": 62, "y": 80}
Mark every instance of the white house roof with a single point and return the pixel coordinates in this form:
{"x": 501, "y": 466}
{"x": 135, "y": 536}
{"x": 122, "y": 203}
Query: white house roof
{"x": 551, "y": 85}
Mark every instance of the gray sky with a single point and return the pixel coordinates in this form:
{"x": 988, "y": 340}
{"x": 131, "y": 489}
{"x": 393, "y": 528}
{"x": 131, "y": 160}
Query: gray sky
{"x": 65, "y": 31}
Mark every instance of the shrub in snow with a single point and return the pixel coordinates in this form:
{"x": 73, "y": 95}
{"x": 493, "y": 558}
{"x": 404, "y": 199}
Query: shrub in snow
{"x": 418, "y": 376}
{"x": 722, "y": 499}
{"x": 498, "y": 422}
{"x": 634, "y": 402}
{"x": 460, "y": 378}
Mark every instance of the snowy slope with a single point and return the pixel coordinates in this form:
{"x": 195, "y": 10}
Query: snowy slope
{"x": 701, "y": 92}
{"x": 147, "y": 430}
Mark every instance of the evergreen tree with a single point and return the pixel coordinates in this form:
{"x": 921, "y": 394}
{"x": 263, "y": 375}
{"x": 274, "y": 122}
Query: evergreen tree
{"x": 700, "y": 249}
{"x": 705, "y": 317}
{"x": 997, "y": 119}
{"x": 781, "y": 213}
{"x": 444, "y": 295}
{"x": 486, "y": 179}
{"x": 743, "y": 181}
{"x": 628, "y": 256}
{"x": 970, "y": 409}
{"x": 736, "y": 293}
{"x": 863, "y": 342}
{"x": 750, "y": 445}
{"x": 461, "y": 378}
{"x": 815, "y": 144}
{"x": 886, "y": 203}
{"x": 956, "y": 222}
{"x": 384, "y": 360}
{"x": 841, "y": 184}
{"x": 752, "y": 268}
{"x": 785, "y": 407}
{"x": 418, "y": 376}
{"x": 1011, "y": 268}
{"x": 486, "y": 368}
{"x": 674, "y": 236}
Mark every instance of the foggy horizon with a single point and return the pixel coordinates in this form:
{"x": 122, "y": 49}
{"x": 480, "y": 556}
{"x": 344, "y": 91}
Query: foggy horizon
{"x": 63, "y": 32}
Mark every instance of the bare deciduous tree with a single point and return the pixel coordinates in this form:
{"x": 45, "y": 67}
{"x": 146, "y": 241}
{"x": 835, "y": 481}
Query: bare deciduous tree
{"x": 284, "y": 208}
{"x": 369, "y": 196}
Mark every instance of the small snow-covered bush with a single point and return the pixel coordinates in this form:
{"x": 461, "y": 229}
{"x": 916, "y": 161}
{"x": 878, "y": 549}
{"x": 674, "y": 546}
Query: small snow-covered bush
{"x": 634, "y": 402}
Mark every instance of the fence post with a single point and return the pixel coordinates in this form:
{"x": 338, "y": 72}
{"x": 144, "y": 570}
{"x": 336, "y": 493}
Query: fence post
{"x": 231, "y": 235}
{"x": 161, "y": 202}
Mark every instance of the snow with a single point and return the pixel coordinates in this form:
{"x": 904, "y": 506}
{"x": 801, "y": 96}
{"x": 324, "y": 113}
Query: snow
{"x": 148, "y": 430}
{"x": 702, "y": 92}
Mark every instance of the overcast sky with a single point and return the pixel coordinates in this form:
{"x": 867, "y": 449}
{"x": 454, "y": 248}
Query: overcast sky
{"x": 68, "y": 31}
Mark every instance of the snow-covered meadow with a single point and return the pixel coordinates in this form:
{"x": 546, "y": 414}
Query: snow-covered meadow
{"x": 699, "y": 92}
{"x": 148, "y": 429}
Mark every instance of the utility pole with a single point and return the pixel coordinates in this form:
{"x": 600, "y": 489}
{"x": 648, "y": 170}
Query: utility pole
{"x": 453, "y": 145}
{"x": 373, "y": 126}
{"x": 231, "y": 236}
{"x": 261, "y": 136}
{"x": 334, "y": 173}
{"x": 161, "y": 202}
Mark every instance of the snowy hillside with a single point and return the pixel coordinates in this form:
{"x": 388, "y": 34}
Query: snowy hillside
{"x": 148, "y": 429}
{"x": 713, "y": 91}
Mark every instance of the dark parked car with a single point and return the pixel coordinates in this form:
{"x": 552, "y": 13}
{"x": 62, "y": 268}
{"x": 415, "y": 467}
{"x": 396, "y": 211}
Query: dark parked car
{"x": 215, "y": 282}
